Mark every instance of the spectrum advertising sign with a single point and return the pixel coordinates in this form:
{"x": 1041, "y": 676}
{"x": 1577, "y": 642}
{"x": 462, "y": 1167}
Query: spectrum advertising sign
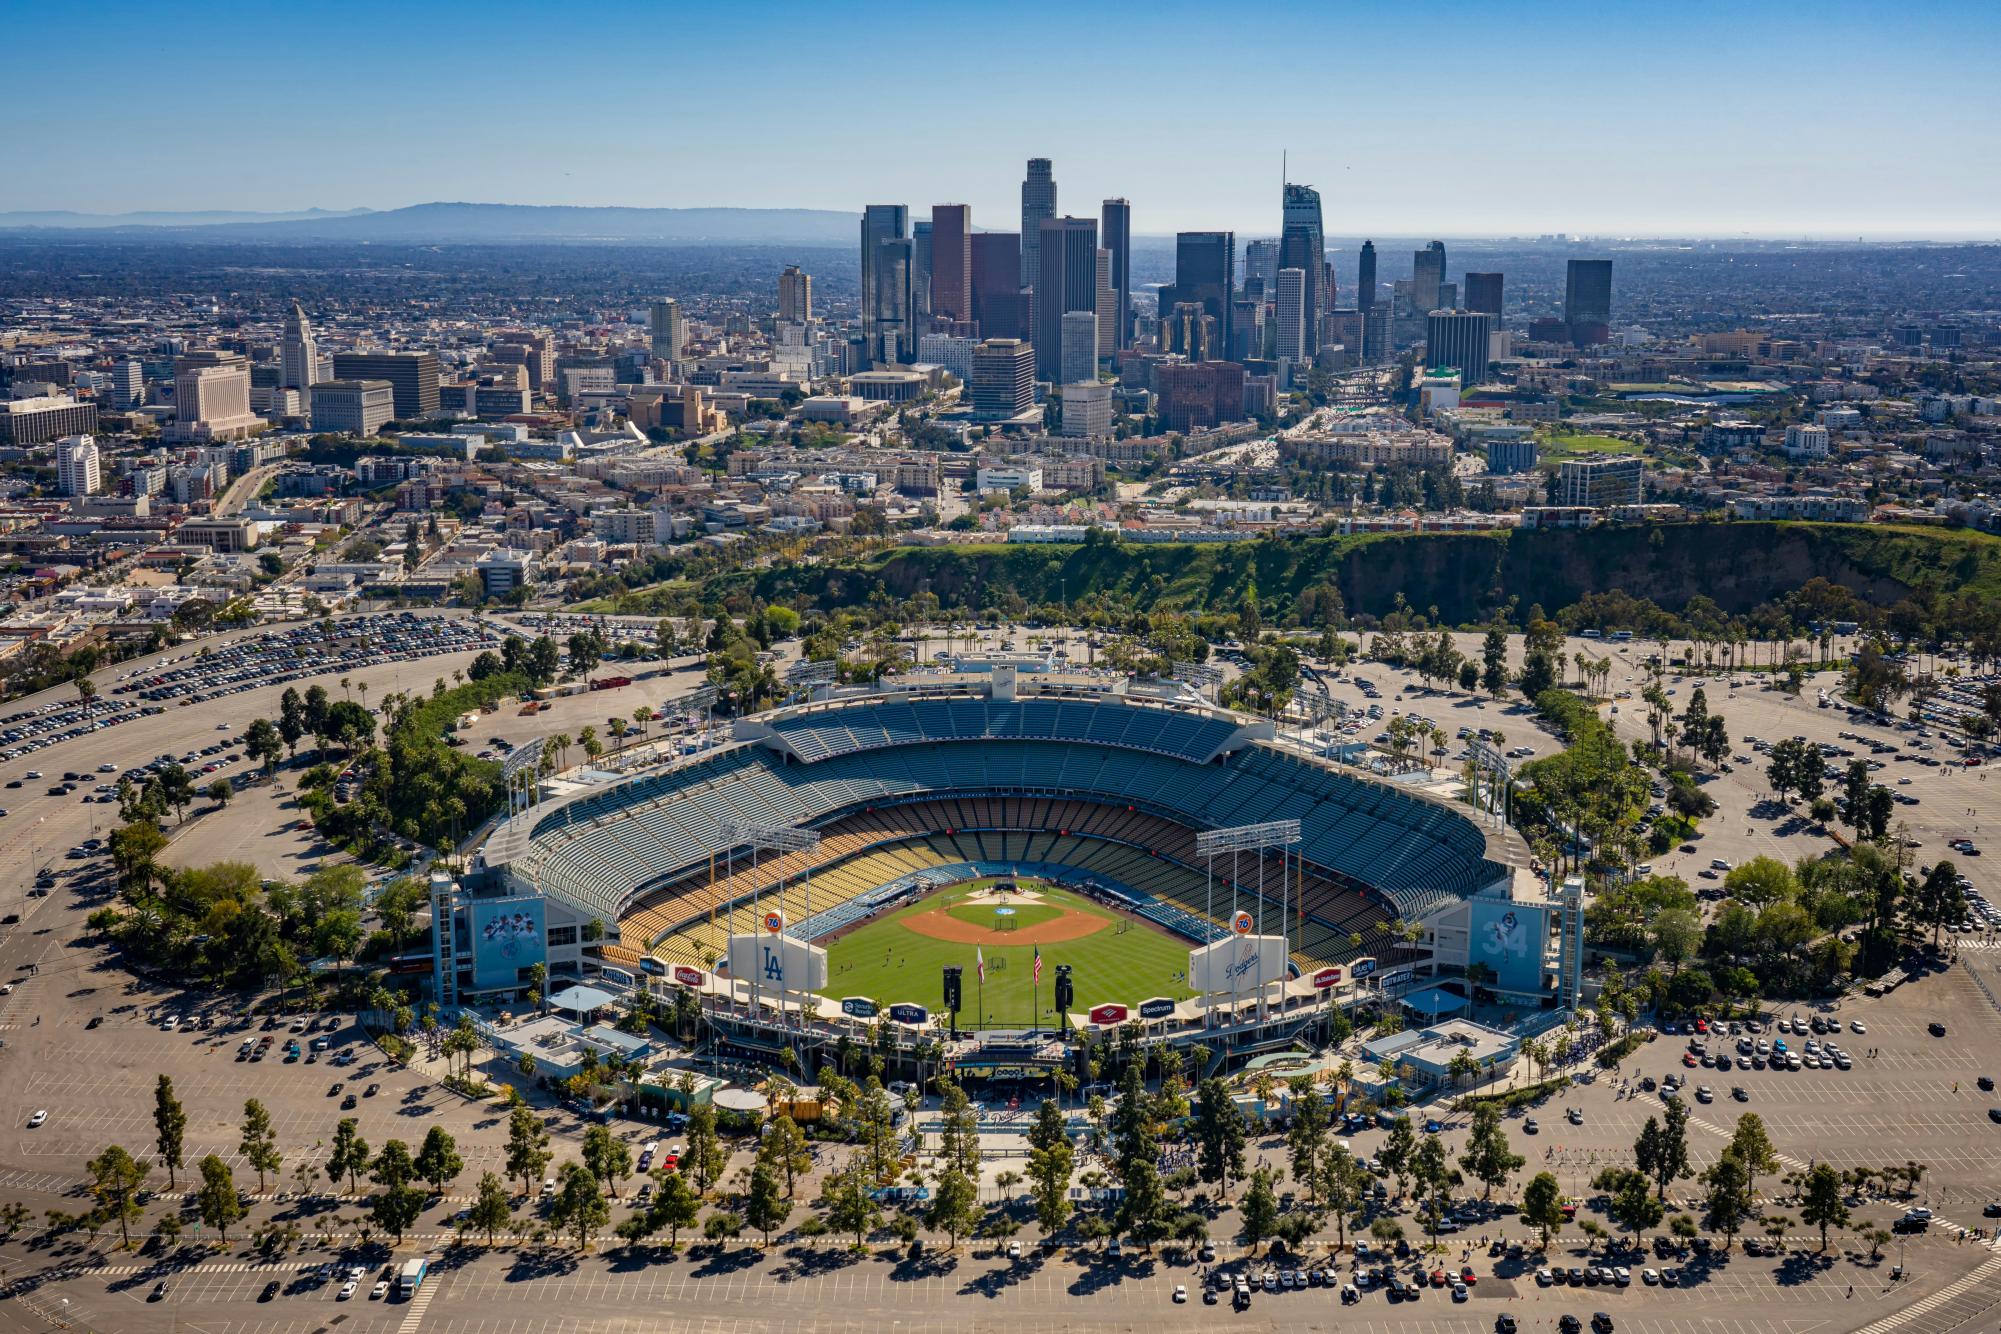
{"x": 1239, "y": 964}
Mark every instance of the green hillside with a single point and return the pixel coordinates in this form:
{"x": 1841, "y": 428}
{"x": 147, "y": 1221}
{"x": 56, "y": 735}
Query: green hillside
{"x": 1466, "y": 576}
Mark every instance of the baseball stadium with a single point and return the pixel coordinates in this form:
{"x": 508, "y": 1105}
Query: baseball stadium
{"x": 835, "y": 859}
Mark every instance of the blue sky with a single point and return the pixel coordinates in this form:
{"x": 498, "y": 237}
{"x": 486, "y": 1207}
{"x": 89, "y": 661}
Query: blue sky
{"x": 1606, "y": 118}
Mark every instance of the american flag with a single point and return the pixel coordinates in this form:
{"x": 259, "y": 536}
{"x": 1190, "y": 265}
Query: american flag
{"x": 980, "y": 962}
{"x": 1037, "y": 976}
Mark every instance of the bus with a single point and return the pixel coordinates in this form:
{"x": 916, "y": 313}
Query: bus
{"x": 411, "y": 1276}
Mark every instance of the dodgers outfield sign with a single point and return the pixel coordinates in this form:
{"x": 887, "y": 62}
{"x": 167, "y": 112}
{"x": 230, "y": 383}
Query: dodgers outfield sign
{"x": 1108, "y": 1014}
{"x": 1242, "y": 963}
{"x": 688, "y": 977}
{"x": 858, "y": 1007}
{"x": 909, "y": 1014}
{"x": 780, "y": 963}
{"x": 1157, "y": 1008}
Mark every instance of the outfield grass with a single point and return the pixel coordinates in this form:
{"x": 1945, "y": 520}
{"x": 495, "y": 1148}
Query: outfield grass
{"x": 1125, "y": 962}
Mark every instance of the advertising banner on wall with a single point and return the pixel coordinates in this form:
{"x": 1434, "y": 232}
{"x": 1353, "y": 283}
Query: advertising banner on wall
{"x": 1239, "y": 964}
{"x": 1510, "y": 938}
{"x": 507, "y": 936}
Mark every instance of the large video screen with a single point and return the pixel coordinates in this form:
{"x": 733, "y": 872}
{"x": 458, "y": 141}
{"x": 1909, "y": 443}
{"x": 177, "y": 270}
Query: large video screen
{"x": 507, "y": 936}
{"x": 1510, "y": 938}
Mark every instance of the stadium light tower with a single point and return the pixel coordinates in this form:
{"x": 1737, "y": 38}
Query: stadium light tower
{"x": 779, "y": 838}
{"x": 1257, "y": 839}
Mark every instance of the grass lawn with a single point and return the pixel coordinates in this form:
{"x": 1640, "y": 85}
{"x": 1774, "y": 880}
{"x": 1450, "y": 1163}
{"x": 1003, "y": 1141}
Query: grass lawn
{"x": 1124, "y": 961}
{"x": 1560, "y": 446}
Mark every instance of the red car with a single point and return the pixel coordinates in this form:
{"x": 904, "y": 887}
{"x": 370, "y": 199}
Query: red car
{"x": 1467, "y": 1277}
{"x": 1702, "y": 1025}
{"x": 1438, "y": 1278}
{"x": 1688, "y": 1059}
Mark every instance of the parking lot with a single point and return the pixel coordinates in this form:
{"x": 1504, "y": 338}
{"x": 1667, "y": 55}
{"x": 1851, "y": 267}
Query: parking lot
{"x": 1916, "y": 1099}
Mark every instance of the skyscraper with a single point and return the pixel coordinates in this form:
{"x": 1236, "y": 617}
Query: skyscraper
{"x": 1587, "y": 299}
{"x": 1108, "y": 333}
{"x": 1115, "y": 233}
{"x": 1261, "y": 268}
{"x": 1205, "y": 266}
{"x": 880, "y": 222}
{"x": 1292, "y": 288}
{"x": 77, "y": 466}
{"x": 1458, "y": 339}
{"x": 414, "y": 375}
{"x": 951, "y": 263}
{"x": 1365, "y": 277}
{"x": 1301, "y": 246}
{"x": 998, "y": 307}
{"x": 895, "y": 338}
{"x": 298, "y": 353}
{"x": 1068, "y": 271}
{"x": 1038, "y": 203}
{"x": 1483, "y": 293}
{"x": 212, "y": 396}
{"x": 1077, "y": 362}
{"x": 920, "y": 270}
{"x": 670, "y": 332}
{"x": 1003, "y": 377}
{"x": 795, "y": 295}
{"x": 1427, "y": 277}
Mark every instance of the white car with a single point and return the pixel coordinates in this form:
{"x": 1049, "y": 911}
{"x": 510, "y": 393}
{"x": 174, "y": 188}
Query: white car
{"x": 347, "y": 1290}
{"x": 35, "y": 1121}
{"x": 379, "y": 1291}
{"x": 1180, "y": 1292}
{"x": 1857, "y": 1026}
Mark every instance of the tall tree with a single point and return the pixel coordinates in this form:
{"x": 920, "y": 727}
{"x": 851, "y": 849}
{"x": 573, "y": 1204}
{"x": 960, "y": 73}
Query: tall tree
{"x": 1821, "y": 1201}
{"x": 527, "y": 1147}
{"x": 579, "y": 1207}
{"x": 765, "y": 1207}
{"x": 1259, "y": 1214}
{"x": 399, "y": 1204}
{"x": 1308, "y": 1130}
{"x": 115, "y": 1181}
{"x": 705, "y": 1159}
{"x": 1398, "y": 1150}
{"x": 1220, "y": 1134}
{"x": 1050, "y": 1162}
{"x": 607, "y": 1157}
{"x": 217, "y": 1203}
{"x": 1542, "y": 1205}
{"x": 438, "y": 1160}
{"x": 1727, "y": 1203}
{"x": 955, "y": 1204}
{"x": 847, "y": 1202}
{"x": 1489, "y": 1159}
{"x": 349, "y": 1156}
{"x": 491, "y": 1210}
{"x": 259, "y": 1145}
{"x": 784, "y": 1146}
{"x": 170, "y": 1124}
{"x": 675, "y": 1205}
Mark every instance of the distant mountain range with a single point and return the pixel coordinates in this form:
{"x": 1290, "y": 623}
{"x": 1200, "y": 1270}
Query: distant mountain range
{"x": 456, "y": 222}
{"x": 66, "y": 220}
